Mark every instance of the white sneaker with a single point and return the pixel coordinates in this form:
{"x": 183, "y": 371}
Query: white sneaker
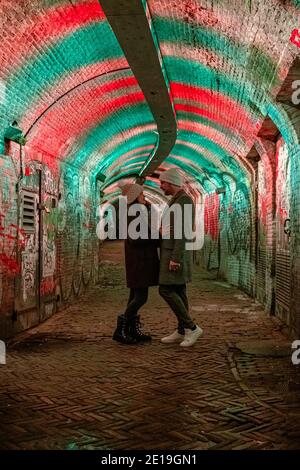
{"x": 173, "y": 338}
{"x": 191, "y": 336}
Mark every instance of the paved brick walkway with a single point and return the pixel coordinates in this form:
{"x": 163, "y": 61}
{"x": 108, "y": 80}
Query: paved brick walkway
{"x": 67, "y": 385}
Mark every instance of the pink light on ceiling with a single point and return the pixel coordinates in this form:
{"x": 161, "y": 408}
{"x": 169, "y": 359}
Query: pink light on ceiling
{"x": 209, "y": 133}
{"x": 227, "y": 121}
{"x": 206, "y": 57}
{"x": 50, "y": 25}
{"x": 51, "y": 138}
{"x": 124, "y": 135}
{"x": 74, "y": 78}
{"x": 212, "y": 98}
{"x": 225, "y": 21}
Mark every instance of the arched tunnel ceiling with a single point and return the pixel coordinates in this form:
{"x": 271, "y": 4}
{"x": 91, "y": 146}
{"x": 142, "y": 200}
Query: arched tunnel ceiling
{"x": 67, "y": 83}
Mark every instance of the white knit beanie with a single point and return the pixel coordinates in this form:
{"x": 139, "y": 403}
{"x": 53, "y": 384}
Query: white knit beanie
{"x": 131, "y": 191}
{"x": 172, "y": 176}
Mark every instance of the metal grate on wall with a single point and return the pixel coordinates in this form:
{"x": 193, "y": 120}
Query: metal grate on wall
{"x": 261, "y": 272}
{"x": 28, "y": 211}
{"x": 283, "y": 280}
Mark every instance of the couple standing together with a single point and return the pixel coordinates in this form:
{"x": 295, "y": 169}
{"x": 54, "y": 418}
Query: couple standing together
{"x": 171, "y": 272}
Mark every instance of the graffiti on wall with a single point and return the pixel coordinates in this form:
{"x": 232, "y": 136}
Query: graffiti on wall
{"x": 50, "y": 182}
{"x": 283, "y": 195}
{"x": 239, "y": 222}
{"x": 28, "y": 267}
{"x": 49, "y": 222}
{"x": 87, "y": 227}
{"x": 49, "y": 256}
{"x": 49, "y": 231}
{"x": 262, "y": 198}
{"x": 11, "y": 236}
{"x": 61, "y": 208}
{"x": 211, "y": 230}
{"x": 295, "y": 37}
{"x": 77, "y": 237}
{"x": 47, "y": 286}
{"x": 68, "y": 243}
{"x": 10, "y": 233}
{"x": 29, "y": 253}
{"x": 211, "y": 216}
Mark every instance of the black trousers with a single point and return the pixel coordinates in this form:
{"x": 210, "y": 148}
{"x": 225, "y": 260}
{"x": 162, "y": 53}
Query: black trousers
{"x": 176, "y": 298}
{"x": 137, "y": 298}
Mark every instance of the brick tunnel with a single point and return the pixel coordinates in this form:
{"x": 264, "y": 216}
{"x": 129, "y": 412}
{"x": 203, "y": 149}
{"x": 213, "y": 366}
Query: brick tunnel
{"x": 95, "y": 95}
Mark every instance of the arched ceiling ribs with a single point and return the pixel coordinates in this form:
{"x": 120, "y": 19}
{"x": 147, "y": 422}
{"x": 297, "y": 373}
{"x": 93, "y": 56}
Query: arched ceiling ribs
{"x": 70, "y": 91}
{"x": 130, "y": 24}
{"x": 86, "y": 125}
{"x": 124, "y": 142}
{"x": 223, "y": 84}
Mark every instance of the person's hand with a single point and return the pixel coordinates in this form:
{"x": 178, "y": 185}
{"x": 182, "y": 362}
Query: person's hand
{"x": 174, "y": 266}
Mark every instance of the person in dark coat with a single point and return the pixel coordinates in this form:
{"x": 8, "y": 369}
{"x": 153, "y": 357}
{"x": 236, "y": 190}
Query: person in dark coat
{"x": 142, "y": 269}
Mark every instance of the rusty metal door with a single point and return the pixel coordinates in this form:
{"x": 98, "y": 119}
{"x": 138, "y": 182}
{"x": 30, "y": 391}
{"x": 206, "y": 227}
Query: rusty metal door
{"x": 27, "y": 294}
{"x": 36, "y": 283}
{"x": 47, "y": 242}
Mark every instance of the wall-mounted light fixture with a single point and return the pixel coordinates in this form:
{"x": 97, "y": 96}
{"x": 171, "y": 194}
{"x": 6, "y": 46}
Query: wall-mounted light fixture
{"x": 15, "y": 134}
{"x": 100, "y": 177}
{"x": 221, "y": 190}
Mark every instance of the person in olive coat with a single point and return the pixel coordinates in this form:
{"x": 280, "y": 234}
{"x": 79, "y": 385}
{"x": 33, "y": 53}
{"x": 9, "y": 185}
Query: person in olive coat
{"x": 176, "y": 259}
{"x": 142, "y": 270}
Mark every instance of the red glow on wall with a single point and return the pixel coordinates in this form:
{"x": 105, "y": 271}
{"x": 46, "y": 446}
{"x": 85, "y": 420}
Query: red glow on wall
{"x": 47, "y": 286}
{"x": 205, "y": 130}
{"x": 264, "y": 208}
{"x": 228, "y": 121}
{"x": 75, "y": 77}
{"x": 52, "y": 25}
{"x": 295, "y": 37}
{"x": 211, "y": 216}
{"x": 213, "y": 100}
{"x": 93, "y": 105}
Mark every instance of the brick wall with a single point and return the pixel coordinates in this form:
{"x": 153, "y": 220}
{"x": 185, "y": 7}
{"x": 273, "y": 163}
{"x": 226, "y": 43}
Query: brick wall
{"x": 9, "y": 266}
{"x": 67, "y": 262}
{"x": 292, "y": 128}
{"x": 266, "y": 208}
{"x": 65, "y": 80}
{"x": 228, "y": 236}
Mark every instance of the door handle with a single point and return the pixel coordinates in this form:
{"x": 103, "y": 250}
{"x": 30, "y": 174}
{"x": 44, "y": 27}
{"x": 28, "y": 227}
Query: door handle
{"x": 42, "y": 207}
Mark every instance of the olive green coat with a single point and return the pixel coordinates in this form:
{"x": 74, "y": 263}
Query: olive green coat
{"x": 175, "y": 249}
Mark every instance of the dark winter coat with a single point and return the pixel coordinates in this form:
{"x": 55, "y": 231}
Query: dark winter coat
{"x": 175, "y": 249}
{"x": 141, "y": 260}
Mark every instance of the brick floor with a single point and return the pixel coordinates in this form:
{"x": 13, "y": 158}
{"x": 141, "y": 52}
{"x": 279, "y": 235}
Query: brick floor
{"x": 67, "y": 385}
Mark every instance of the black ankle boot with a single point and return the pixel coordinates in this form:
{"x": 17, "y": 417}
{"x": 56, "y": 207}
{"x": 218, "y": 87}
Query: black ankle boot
{"x": 135, "y": 330}
{"x": 122, "y": 333}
